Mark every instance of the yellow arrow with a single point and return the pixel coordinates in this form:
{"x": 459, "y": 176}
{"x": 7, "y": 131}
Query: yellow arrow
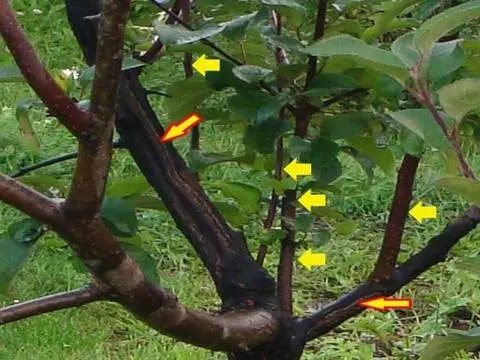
{"x": 202, "y": 65}
{"x": 296, "y": 169}
{"x": 420, "y": 212}
{"x": 310, "y": 259}
{"x": 309, "y": 200}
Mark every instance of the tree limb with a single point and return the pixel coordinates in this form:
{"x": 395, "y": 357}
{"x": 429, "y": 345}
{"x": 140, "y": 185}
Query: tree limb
{"x": 319, "y": 31}
{"x": 392, "y": 239}
{"x": 433, "y": 253}
{"x": 95, "y": 151}
{"x": 50, "y": 303}
{"x": 58, "y": 103}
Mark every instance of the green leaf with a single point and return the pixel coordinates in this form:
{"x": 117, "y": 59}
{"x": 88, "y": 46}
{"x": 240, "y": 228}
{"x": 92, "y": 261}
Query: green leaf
{"x": 186, "y": 96}
{"x": 441, "y": 24}
{"x": 289, "y": 8}
{"x": 299, "y": 148}
{"x": 178, "y": 35}
{"x": 247, "y": 196}
{"x": 363, "y": 54}
{"x": 320, "y": 238}
{"x": 261, "y": 137}
{"x": 345, "y": 125}
{"x": 233, "y": 214}
{"x": 88, "y": 74}
{"x": 460, "y": 98}
{"x": 144, "y": 260}
{"x": 325, "y": 164}
{"x": 10, "y": 73}
{"x": 199, "y": 160}
{"x": 304, "y": 222}
{"x": 127, "y": 187}
{"x": 411, "y": 143}
{"x": 256, "y": 106}
{"x": 469, "y": 189}
{"x": 405, "y": 50}
{"x": 26, "y": 230}
{"x": 346, "y": 228}
{"x": 383, "y": 157}
{"x": 443, "y": 346}
{"x": 44, "y": 183}
{"x": 119, "y": 216}
{"x": 272, "y": 236}
{"x": 225, "y": 78}
{"x": 471, "y": 264}
{"x": 251, "y": 73}
{"x": 365, "y": 161}
{"x": 22, "y": 111}
{"x": 235, "y": 29}
{"x": 146, "y": 202}
{"x": 12, "y": 255}
{"x": 326, "y": 84}
{"x": 422, "y": 124}
{"x": 447, "y": 57}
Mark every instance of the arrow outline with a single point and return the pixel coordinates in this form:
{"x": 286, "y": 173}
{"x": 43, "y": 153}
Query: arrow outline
{"x": 362, "y": 303}
{"x": 178, "y": 124}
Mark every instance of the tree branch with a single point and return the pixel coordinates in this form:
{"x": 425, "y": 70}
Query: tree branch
{"x": 50, "y": 303}
{"x": 95, "y": 151}
{"x": 58, "y": 103}
{"x": 433, "y": 253}
{"x": 152, "y": 54}
{"x": 392, "y": 239}
{"x": 28, "y": 200}
{"x": 319, "y": 31}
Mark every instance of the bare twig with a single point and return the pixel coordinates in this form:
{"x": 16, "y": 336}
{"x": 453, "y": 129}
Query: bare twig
{"x": 392, "y": 239}
{"x": 433, "y": 253}
{"x": 64, "y": 157}
{"x": 50, "y": 303}
{"x": 58, "y": 103}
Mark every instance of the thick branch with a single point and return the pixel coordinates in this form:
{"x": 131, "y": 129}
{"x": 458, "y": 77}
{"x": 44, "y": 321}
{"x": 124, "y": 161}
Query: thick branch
{"x": 50, "y": 303}
{"x": 392, "y": 239}
{"x": 59, "y": 104}
{"x": 433, "y": 253}
{"x": 95, "y": 151}
{"x": 28, "y": 200}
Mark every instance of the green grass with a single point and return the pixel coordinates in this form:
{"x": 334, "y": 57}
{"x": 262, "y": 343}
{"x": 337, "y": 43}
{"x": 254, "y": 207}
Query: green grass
{"x": 105, "y": 331}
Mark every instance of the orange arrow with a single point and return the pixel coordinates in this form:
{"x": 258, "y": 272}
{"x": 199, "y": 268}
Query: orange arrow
{"x": 382, "y": 303}
{"x": 181, "y": 128}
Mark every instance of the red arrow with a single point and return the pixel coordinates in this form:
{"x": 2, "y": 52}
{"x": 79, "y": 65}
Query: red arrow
{"x": 181, "y": 128}
{"x": 382, "y": 303}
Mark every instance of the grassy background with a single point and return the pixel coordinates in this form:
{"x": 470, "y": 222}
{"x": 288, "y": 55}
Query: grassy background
{"x": 442, "y": 297}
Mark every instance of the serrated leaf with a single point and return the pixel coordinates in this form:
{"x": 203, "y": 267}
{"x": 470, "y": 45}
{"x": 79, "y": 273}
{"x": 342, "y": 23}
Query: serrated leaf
{"x": 441, "y": 24}
{"x": 363, "y": 54}
{"x": 460, "y": 98}
{"x": 325, "y": 165}
{"x": 422, "y": 124}
{"x": 119, "y": 216}
{"x": 251, "y": 73}
{"x": 467, "y": 188}
{"x": 178, "y": 35}
{"x": 298, "y": 148}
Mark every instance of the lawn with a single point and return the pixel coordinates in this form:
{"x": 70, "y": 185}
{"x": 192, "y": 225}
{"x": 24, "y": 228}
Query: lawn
{"x": 443, "y": 297}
